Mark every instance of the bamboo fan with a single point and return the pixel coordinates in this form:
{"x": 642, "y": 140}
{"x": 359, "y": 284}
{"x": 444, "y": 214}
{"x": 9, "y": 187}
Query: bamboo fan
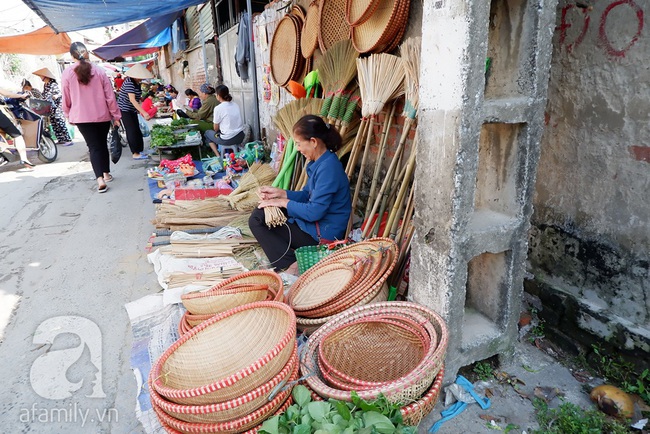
{"x": 381, "y": 78}
{"x": 336, "y": 69}
{"x": 410, "y": 51}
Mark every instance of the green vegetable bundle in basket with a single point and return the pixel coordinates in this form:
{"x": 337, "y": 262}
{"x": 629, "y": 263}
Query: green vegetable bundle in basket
{"x": 308, "y": 256}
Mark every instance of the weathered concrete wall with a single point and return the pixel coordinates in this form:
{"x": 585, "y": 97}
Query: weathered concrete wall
{"x": 591, "y": 236}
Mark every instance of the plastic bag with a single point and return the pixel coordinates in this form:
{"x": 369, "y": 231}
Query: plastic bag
{"x": 115, "y": 145}
{"x": 144, "y": 128}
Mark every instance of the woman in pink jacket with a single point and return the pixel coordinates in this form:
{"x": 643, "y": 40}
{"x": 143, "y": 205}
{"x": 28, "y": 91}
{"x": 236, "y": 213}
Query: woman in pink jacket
{"x": 89, "y": 103}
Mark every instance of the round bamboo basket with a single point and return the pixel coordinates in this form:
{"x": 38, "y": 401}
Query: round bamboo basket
{"x": 405, "y": 389}
{"x": 370, "y": 35}
{"x": 228, "y": 355}
{"x": 310, "y": 29}
{"x": 310, "y": 325}
{"x": 392, "y": 40}
{"x": 361, "y": 354}
{"x": 218, "y": 300}
{"x": 325, "y": 285}
{"x": 359, "y": 11}
{"x": 229, "y": 410}
{"x": 332, "y": 25}
{"x": 284, "y": 50}
{"x": 234, "y": 426}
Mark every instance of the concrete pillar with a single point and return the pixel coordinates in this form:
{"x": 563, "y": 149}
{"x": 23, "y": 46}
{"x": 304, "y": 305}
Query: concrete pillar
{"x": 477, "y": 157}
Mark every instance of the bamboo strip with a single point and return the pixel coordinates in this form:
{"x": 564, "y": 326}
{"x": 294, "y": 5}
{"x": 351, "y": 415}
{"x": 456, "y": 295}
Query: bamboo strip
{"x": 380, "y": 159}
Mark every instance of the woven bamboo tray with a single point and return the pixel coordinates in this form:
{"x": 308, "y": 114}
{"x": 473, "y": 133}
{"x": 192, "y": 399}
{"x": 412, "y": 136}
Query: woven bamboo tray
{"x": 359, "y": 11}
{"x": 370, "y": 35}
{"x": 218, "y": 300}
{"x": 392, "y": 40}
{"x": 228, "y": 355}
{"x": 361, "y": 354}
{"x": 284, "y": 50}
{"x": 406, "y": 389}
{"x": 310, "y": 29}
{"x": 332, "y": 25}
{"x": 310, "y": 325}
{"x": 325, "y": 285}
{"x": 234, "y": 426}
{"x": 229, "y": 410}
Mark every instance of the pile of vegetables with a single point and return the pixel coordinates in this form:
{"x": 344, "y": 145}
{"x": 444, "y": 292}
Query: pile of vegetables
{"x": 337, "y": 417}
{"x": 162, "y": 135}
{"x": 180, "y": 122}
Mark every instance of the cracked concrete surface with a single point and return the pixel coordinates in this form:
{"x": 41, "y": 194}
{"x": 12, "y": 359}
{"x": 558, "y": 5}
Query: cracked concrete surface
{"x": 67, "y": 251}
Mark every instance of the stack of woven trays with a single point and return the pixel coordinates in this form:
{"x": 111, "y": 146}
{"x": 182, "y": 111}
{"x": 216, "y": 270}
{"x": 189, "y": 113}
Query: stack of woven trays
{"x": 287, "y": 61}
{"x": 392, "y": 348}
{"x": 249, "y": 287}
{"x": 377, "y": 26}
{"x": 352, "y": 276}
{"x": 230, "y": 373}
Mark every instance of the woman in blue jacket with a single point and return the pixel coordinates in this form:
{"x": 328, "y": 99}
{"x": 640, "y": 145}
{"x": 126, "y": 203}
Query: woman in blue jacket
{"x": 317, "y": 213}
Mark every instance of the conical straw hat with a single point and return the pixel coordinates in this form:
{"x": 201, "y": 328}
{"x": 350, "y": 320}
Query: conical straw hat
{"x": 44, "y": 72}
{"x": 138, "y": 71}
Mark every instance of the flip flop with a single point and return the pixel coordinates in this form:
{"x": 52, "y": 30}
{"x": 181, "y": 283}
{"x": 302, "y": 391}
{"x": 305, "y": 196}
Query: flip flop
{"x": 141, "y": 157}
{"x": 109, "y": 179}
{"x": 102, "y": 188}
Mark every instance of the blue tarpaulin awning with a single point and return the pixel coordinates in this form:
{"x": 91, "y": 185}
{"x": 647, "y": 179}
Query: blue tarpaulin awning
{"x": 67, "y": 16}
{"x": 155, "y": 32}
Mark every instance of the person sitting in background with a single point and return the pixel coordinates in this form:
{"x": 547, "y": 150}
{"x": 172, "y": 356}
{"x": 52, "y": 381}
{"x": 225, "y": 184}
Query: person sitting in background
{"x": 7, "y": 125}
{"x": 205, "y": 114}
{"x": 228, "y": 125}
{"x": 27, "y": 88}
{"x": 148, "y": 105}
{"x": 194, "y": 102}
{"x": 173, "y": 100}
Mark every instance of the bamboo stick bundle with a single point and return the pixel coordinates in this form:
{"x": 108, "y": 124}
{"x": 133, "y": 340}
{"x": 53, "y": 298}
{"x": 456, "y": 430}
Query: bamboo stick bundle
{"x": 207, "y": 248}
{"x": 381, "y": 78}
{"x": 191, "y": 222}
{"x": 187, "y": 227}
{"x": 206, "y": 278}
{"x": 336, "y": 69}
{"x": 274, "y": 217}
{"x": 410, "y": 52}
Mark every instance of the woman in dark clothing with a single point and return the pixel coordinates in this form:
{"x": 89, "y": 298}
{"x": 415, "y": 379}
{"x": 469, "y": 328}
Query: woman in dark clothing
{"x": 129, "y": 102}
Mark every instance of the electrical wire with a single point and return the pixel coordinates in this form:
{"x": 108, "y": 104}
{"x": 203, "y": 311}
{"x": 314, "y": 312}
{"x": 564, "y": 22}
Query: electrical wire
{"x": 288, "y": 247}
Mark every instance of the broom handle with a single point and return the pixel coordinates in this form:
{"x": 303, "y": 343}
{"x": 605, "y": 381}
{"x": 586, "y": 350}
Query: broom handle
{"x": 389, "y": 174}
{"x": 380, "y": 159}
{"x": 408, "y": 215}
{"x": 352, "y": 162}
{"x": 362, "y": 168}
{"x": 402, "y": 192}
{"x": 401, "y": 211}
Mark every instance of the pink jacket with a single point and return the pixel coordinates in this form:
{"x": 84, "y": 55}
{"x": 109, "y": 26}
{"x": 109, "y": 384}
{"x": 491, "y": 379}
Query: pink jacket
{"x": 94, "y": 102}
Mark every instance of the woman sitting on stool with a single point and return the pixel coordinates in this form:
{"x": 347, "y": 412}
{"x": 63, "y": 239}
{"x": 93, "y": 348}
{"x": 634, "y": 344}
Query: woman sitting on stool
{"x": 228, "y": 125}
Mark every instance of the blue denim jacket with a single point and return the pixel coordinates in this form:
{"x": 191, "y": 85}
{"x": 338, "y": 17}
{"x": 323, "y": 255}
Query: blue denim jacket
{"x": 325, "y": 199}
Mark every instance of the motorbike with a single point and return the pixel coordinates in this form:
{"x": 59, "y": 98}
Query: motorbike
{"x": 32, "y": 118}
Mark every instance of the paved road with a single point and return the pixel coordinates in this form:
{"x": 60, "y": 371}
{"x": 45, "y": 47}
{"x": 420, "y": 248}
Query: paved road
{"x": 70, "y": 259}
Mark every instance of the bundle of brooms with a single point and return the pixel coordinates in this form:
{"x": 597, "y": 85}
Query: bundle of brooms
{"x": 381, "y": 78}
{"x": 379, "y": 202}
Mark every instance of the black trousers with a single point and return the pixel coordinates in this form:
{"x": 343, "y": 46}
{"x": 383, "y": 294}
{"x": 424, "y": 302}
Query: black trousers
{"x": 133, "y": 133}
{"x": 95, "y": 134}
{"x": 275, "y": 241}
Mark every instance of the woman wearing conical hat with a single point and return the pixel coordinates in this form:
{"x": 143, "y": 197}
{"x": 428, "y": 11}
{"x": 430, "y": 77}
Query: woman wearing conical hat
{"x": 52, "y": 92}
{"x": 129, "y": 102}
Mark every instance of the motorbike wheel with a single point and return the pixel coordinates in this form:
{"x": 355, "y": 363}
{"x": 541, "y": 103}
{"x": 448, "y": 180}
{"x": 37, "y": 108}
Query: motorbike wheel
{"x": 47, "y": 151}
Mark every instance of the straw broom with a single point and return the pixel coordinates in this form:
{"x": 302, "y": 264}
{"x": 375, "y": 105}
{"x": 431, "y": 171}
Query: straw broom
{"x": 336, "y": 69}
{"x": 380, "y": 79}
{"x": 410, "y": 51}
